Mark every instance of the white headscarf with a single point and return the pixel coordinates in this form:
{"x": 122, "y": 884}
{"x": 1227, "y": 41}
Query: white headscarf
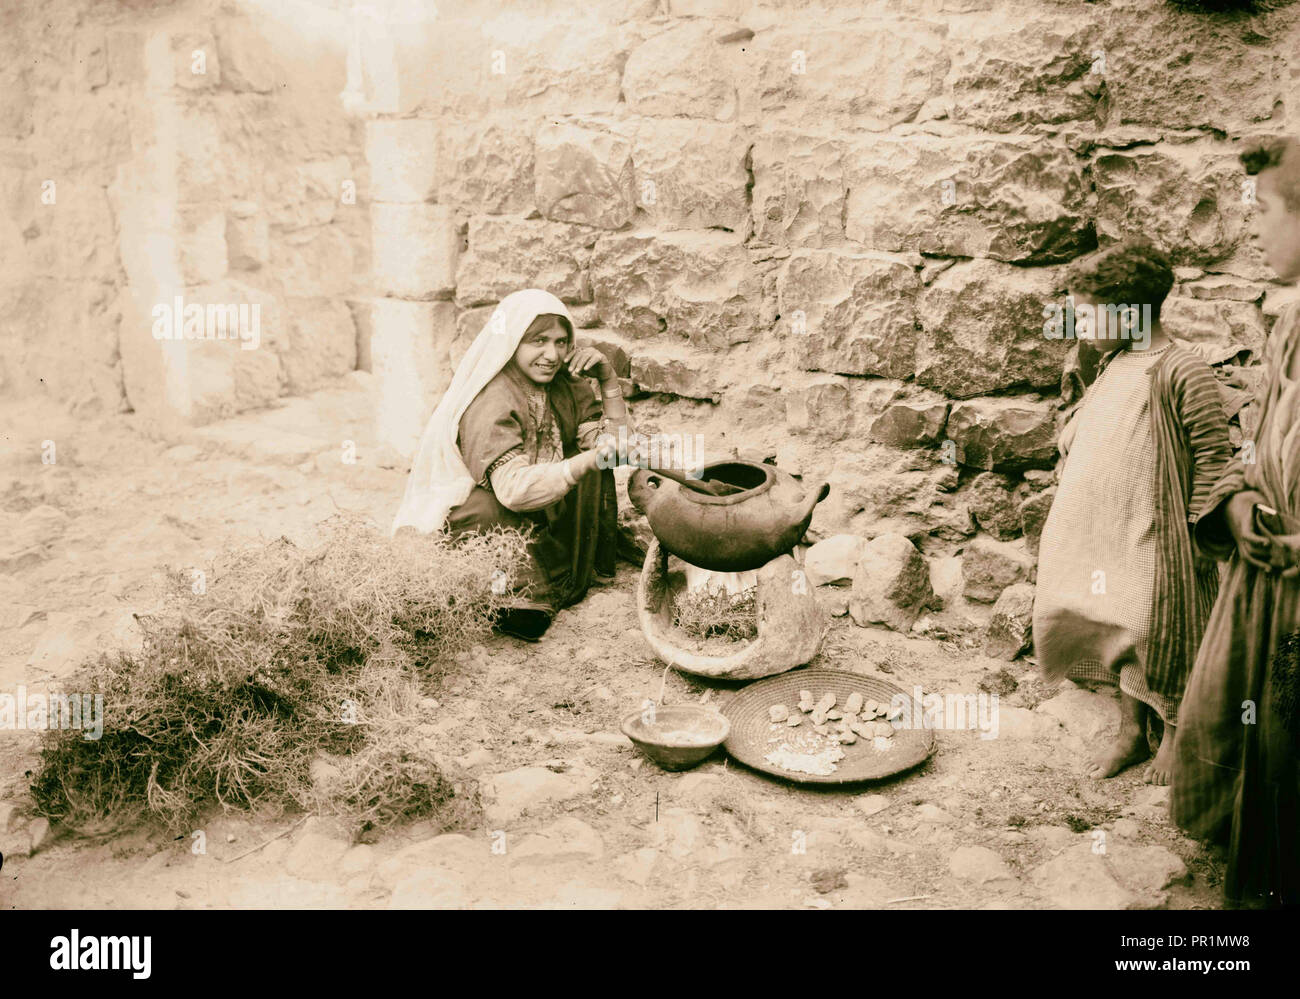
{"x": 439, "y": 480}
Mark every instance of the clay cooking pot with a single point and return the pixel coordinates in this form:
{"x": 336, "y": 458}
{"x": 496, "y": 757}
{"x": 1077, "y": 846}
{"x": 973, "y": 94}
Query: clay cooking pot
{"x": 733, "y": 533}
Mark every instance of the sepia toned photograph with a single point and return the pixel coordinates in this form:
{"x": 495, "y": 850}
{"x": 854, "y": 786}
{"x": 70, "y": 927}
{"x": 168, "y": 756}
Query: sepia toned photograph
{"x": 651, "y": 455}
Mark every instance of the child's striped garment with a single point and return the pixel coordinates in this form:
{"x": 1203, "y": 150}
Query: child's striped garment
{"x": 1120, "y": 596}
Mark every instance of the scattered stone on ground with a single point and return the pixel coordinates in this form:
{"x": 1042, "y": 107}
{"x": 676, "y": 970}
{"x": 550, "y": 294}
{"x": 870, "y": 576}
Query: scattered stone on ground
{"x": 1010, "y": 629}
{"x": 891, "y": 585}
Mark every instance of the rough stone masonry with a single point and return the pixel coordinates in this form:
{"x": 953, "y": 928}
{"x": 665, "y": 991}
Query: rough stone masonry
{"x": 826, "y": 231}
{"x": 823, "y": 232}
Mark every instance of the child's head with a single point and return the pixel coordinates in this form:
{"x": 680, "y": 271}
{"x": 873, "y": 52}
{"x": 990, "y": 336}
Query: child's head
{"x": 1275, "y": 162}
{"x": 544, "y": 348}
{"x": 1124, "y": 284}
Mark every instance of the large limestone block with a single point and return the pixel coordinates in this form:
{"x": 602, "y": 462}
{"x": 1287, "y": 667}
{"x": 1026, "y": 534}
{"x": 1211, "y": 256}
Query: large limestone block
{"x": 487, "y": 165}
{"x": 435, "y": 64}
{"x": 891, "y": 585}
{"x": 1184, "y": 70}
{"x": 556, "y": 65}
{"x": 880, "y": 72}
{"x": 227, "y": 376}
{"x": 186, "y": 59}
{"x": 304, "y": 195}
{"x": 469, "y": 324}
{"x": 403, "y": 158}
{"x": 851, "y": 314}
{"x": 103, "y": 126}
{"x": 994, "y": 501}
{"x": 248, "y": 237}
{"x": 821, "y": 408}
{"x": 313, "y": 262}
{"x": 507, "y": 253}
{"x": 1225, "y": 287}
{"x": 415, "y": 250}
{"x": 799, "y": 187}
{"x": 74, "y": 239}
{"x": 1218, "y": 322}
{"x": 879, "y": 491}
{"x": 320, "y": 342}
{"x": 676, "y": 371}
{"x": 1188, "y": 199}
{"x": 203, "y": 168}
{"x": 911, "y": 423}
{"x": 983, "y": 330}
{"x": 79, "y": 366}
{"x": 201, "y": 243}
{"x": 584, "y": 175}
{"x": 459, "y": 63}
{"x": 408, "y": 356}
{"x": 697, "y": 286}
{"x": 682, "y": 71}
{"x": 1021, "y": 200}
{"x": 248, "y": 58}
{"x": 1004, "y": 434}
{"x": 692, "y": 174}
{"x": 1037, "y": 67}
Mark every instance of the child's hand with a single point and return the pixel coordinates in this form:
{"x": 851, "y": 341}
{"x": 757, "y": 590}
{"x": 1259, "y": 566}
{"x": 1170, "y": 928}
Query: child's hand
{"x": 1240, "y": 514}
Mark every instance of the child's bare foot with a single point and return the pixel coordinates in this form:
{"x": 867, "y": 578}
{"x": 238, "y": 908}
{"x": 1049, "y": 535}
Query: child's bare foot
{"x": 1128, "y": 748}
{"x": 1161, "y": 770}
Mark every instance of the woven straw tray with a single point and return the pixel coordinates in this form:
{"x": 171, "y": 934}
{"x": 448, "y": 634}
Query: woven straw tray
{"x": 753, "y": 737}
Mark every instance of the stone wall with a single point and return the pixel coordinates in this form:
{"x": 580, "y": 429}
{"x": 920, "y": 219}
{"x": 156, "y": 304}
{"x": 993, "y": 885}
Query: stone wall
{"x": 820, "y": 232}
{"x": 825, "y": 231}
{"x": 191, "y": 149}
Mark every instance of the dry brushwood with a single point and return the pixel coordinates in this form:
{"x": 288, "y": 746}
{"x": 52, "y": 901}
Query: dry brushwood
{"x": 712, "y": 612}
{"x": 288, "y": 654}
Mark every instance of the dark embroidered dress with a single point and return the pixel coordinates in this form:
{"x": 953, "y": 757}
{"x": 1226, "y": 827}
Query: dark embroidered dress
{"x": 575, "y": 538}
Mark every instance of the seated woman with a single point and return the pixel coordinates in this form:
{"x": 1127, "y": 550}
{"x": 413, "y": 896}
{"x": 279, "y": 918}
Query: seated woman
{"x": 514, "y": 443}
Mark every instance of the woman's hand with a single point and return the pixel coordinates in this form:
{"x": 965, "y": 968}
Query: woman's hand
{"x": 591, "y": 363}
{"x": 603, "y": 455}
{"x": 1240, "y": 515}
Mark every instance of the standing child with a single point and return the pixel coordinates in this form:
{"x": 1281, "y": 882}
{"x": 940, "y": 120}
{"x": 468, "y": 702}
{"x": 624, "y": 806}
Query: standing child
{"x": 1120, "y": 596}
{"x": 1237, "y": 777}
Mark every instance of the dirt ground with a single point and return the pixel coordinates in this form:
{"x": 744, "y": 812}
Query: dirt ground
{"x": 574, "y": 817}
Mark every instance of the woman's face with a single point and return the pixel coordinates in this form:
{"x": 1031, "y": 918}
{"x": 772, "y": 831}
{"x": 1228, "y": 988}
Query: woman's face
{"x": 1277, "y": 228}
{"x": 544, "y": 349}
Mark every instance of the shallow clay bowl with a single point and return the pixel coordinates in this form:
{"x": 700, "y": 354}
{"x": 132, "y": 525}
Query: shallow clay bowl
{"x": 708, "y": 728}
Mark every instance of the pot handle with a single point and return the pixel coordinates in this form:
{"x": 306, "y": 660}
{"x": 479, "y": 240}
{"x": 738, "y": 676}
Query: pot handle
{"x": 641, "y": 488}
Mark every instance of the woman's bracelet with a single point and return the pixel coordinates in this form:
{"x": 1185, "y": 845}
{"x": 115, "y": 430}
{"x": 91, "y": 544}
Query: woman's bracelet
{"x": 614, "y": 391}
